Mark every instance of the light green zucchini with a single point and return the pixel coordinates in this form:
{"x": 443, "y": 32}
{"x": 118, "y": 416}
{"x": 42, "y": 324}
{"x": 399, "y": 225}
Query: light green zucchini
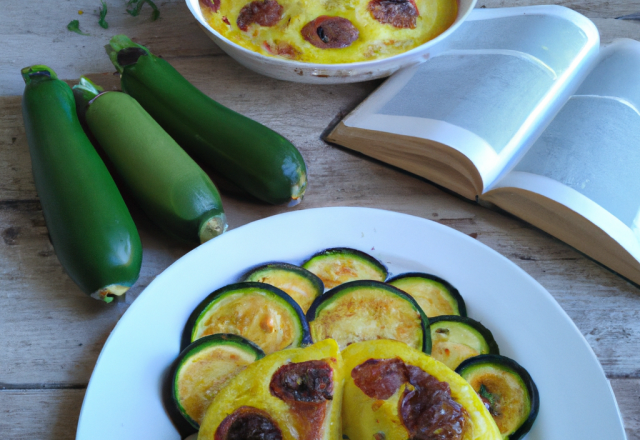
{"x": 169, "y": 186}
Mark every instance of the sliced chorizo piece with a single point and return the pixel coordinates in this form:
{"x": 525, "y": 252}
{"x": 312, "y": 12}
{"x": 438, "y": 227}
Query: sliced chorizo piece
{"x": 380, "y": 378}
{"x": 247, "y": 423}
{"x": 397, "y": 13}
{"x": 327, "y": 32}
{"x": 426, "y": 408}
{"x": 428, "y": 411}
{"x": 310, "y": 381}
{"x": 212, "y": 5}
{"x": 266, "y": 13}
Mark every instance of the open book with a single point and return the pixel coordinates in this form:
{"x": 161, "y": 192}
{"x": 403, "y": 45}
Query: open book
{"x": 521, "y": 109}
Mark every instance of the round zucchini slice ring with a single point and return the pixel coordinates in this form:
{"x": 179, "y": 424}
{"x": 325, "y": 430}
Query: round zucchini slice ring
{"x": 506, "y": 389}
{"x": 301, "y": 285}
{"x": 366, "y": 310}
{"x": 435, "y": 295}
{"x": 297, "y": 393}
{"x": 456, "y": 338}
{"x": 336, "y": 266}
{"x": 259, "y": 312}
{"x": 394, "y": 392}
{"x": 201, "y": 371}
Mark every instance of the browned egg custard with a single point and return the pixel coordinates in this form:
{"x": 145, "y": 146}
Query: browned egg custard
{"x": 330, "y": 31}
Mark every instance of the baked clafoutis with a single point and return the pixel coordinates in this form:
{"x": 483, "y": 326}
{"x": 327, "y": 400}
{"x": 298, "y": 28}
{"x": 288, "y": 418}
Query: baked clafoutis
{"x": 330, "y": 31}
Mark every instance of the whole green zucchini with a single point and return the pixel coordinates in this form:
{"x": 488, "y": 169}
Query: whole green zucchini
{"x": 91, "y": 229}
{"x": 169, "y": 186}
{"x": 254, "y": 157}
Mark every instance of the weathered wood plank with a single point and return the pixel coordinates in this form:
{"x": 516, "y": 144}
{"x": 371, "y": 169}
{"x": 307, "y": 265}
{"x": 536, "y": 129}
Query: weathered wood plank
{"x": 628, "y": 396}
{"x": 53, "y": 414}
{"x": 36, "y": 33}
{"x": 50, "y": 332}
{"x": 40, "y": 414}
{"x": 590, "y": 8}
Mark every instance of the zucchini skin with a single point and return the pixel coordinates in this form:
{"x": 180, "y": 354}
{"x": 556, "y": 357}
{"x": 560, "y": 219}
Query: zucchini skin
{"x": 170, "y": 187}
{"x": 192, "y": 322}
{"x": 252, "y": 156}
{"x": 484, "y": 331}
{"x": 91, "y": 229}
{"x": 453, "y": 292}
{"x": 331, "y": 295}
{"x": 182, "y": 421}
{"x": 498, "y": 361}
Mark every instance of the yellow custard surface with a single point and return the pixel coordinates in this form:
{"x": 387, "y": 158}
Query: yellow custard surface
{"x": 375, "y": 40}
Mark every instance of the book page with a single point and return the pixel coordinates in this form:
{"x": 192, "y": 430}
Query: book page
{"x": 492, "y": 87}
{"x": 587, "y": 159}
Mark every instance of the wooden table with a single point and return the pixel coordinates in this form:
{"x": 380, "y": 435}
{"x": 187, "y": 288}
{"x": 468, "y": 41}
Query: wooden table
{"x": 51, "y": 333}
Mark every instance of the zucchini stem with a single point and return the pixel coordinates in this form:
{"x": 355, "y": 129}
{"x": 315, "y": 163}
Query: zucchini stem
{"x": 120, "y": 43}
{"x": 84, "y": 93}
{"x": 108, "y": 293}
{"x": 28, "y": 73}
{"x": 212, "y": 228}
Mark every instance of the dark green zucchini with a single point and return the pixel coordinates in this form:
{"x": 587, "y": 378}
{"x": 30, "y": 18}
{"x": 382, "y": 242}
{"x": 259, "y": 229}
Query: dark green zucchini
{"x": 169, "y": 186}
{"x": 340, "y": 265}
{"x": 91, "y": 229}
{"x": 456, "y": 338}
{"x": 435, "y": 295}
{"x": 301, "y": 285}
{"x": 506, "y": 389}
{"x": 259, "y": 312}
{"x": 366, "y": 310}
{"x": 200, "y": 372}
{"x": 247, "y": 153}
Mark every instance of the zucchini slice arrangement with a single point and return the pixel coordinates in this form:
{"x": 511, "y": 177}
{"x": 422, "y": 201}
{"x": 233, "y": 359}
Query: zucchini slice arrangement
{"x": 398, "y": 363}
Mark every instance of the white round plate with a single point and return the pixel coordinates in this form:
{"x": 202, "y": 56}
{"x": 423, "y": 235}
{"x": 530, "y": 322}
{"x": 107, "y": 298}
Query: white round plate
{"x": 123, "y": 399}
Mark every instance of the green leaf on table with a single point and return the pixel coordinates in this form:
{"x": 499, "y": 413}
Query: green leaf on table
{"x": 103, "y": 13}
{"x": 74, "y": 26}
{"x": 136, "y": 5}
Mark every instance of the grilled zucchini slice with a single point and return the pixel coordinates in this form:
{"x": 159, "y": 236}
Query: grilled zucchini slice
{"x": 506, "y": 389}
{"x": 340, "y": 265}
{"x": 435, "y": 295}
{"x": 301, "y": 285}
{"x": 264, "y": 314}
{"x": 365, "y": 310}
{"x": 201, "y": 371}
{"x": 456, "y": 338}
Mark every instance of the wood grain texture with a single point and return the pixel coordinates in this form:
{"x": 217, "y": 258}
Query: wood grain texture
{"x": 51, "y": 334}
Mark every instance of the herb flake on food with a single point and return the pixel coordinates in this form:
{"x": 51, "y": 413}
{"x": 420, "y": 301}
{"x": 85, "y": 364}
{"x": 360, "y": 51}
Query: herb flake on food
{"x": 74, "y": 26}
